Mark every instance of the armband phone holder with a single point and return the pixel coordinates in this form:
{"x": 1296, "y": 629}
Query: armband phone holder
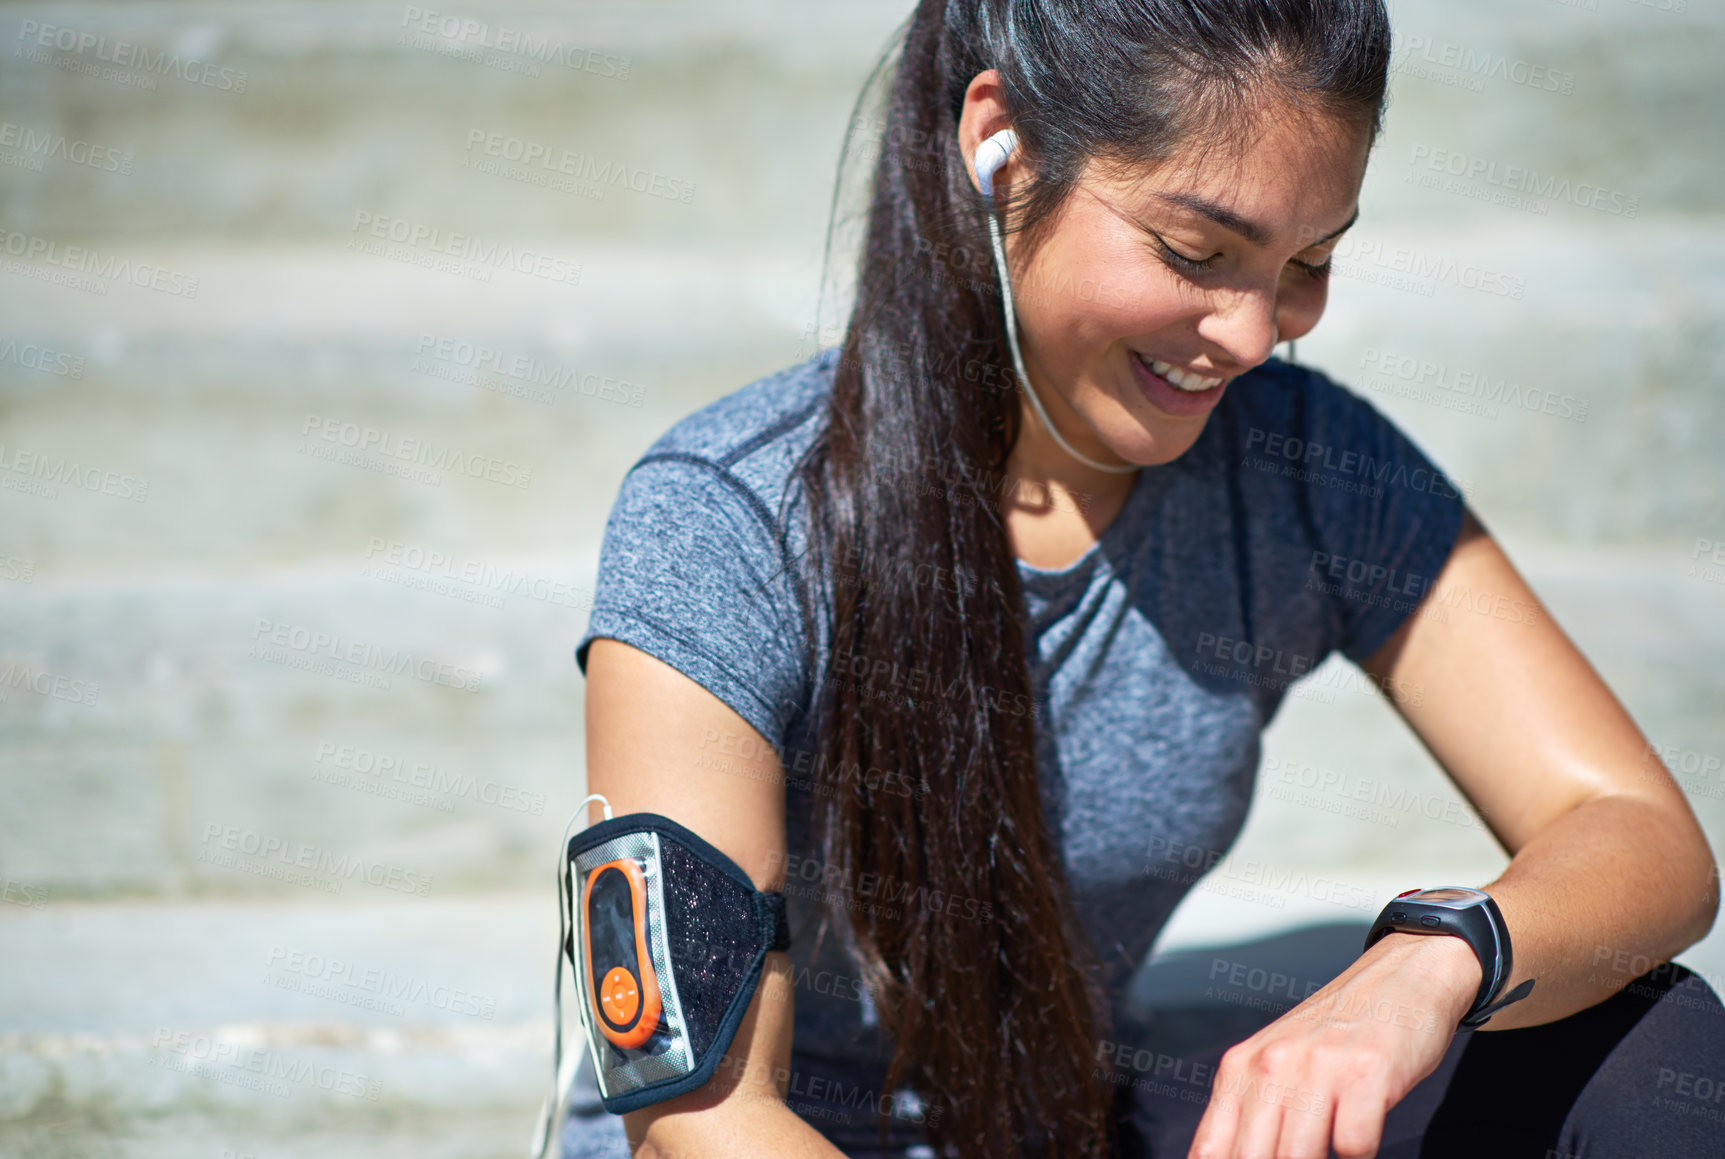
{"x": 666, "y": 937}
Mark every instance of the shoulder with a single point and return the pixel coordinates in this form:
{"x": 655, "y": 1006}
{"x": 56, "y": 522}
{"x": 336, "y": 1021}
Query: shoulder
{"x": 1341, "y": 501}
{"x": 750, "y": 439}
{"x": 695, "y": 565}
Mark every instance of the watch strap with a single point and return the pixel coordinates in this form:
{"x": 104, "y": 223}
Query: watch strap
{"x": 1485, "y": 931}
{"x": 1477, "y": 1018}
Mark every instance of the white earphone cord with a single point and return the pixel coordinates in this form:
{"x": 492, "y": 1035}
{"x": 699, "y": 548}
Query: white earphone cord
{"x": 990, "y": 156}
{"x": 562, "y": 1069}
{"x": 1018, "y": 358}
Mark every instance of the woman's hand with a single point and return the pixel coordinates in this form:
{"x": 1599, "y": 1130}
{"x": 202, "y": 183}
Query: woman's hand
{"x": 1327, "y": 1072}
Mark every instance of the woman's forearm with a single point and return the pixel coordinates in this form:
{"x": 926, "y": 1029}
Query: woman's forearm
{"x": 735, "y": 1129}
{"x": 1602, "y": 894}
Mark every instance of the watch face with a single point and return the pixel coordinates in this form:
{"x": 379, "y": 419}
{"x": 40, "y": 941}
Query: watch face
{"x": 1454, "y": 896}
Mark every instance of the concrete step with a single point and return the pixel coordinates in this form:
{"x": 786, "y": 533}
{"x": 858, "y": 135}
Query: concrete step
{"x": 202, "y": 821}
{"x": 203, "y": 732}
{"x": 321, "y": 1028}
{"x": 380, "y": 1027}
{"x": 1544, "y": 409}
{"x": 347, "y": 107}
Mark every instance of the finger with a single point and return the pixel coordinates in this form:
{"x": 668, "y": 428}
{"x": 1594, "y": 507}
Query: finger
{"x": 1260, "y": 1116}
{"x": 1215, "y": 1135}
{"x": 1359, "y": 1125}
{"x": 1306, "y": 1116}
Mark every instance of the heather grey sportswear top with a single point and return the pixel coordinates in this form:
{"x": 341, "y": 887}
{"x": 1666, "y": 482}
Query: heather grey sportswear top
{"x": 1301, "y": 522}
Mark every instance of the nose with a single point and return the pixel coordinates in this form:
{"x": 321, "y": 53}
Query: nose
{"x": 1241, "y": 325}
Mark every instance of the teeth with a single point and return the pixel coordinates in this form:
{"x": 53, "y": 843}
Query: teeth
{"x": 1185, "y": 380}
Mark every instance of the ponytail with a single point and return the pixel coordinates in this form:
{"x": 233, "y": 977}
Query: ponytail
{"x": 997, "y": 1021}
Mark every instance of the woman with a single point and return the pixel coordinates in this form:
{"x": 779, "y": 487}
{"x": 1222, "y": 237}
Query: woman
{"x": 948, "y": 664}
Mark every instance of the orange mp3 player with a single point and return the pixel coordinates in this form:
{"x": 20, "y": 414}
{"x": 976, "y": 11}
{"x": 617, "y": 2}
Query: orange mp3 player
{"x": 619, "y": 968}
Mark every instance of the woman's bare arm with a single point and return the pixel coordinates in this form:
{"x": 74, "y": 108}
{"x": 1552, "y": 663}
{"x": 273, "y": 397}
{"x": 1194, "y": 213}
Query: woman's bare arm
{"x": 659, "y": 742}
{"x": 1609, "y": 865}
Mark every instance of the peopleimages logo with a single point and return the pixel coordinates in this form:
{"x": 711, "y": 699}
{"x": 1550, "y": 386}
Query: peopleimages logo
{"x": 434, "y": 779}
{"x": 1473, "y": 64}
{"x": 59, "y": 686}
{"x": 1523, "y": 179}
{"x": 1707, "y": 561}
{"x": 586, "y": 173}
{"x": 523, "y": 374}
{"x": 272, "y": 856}
{"x": 482, "y": 577}
{"x": 49, "y": 469}
{"x": 467, "y": 36}
{"x": 1419, "y": 271}
{"x": 272, "y": 637}
{"x": 42, "y": 359}
{"x": 123, "y": 53}
{"x": 376, "y": 448}
{"x": 1467, "y": 388}
{"x": 429, "y": 245}
{"x": 1325, "y": 464}
{"x": 224, "y": 1060}
{"x": 40, "y": 144}
{"x": 1381, "y": 801}
{"x": 104, "y": 266}
{"x": 385, "y": 984}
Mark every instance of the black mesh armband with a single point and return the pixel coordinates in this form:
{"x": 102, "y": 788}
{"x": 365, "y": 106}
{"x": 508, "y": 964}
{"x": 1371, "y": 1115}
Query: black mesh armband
{"x": 669, "y": 938}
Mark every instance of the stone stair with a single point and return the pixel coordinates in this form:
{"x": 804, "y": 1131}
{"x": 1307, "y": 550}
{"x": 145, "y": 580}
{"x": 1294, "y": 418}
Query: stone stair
{"x": 184, "y": 609}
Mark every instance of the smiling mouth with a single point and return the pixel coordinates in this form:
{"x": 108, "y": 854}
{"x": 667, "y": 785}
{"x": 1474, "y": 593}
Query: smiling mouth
{"x": 1180, "y": 379}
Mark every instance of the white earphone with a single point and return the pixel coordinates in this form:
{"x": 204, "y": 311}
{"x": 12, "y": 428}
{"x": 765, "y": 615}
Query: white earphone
{"x": 990, "y": 156}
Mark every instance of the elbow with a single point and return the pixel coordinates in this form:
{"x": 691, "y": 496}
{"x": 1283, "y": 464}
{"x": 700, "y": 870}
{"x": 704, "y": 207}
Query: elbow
{"x": 1690, "y": 872}
{"x": 1696, "y": 878}
{"x": 1706, "y": 887}
{"x": 1708, "y": 910}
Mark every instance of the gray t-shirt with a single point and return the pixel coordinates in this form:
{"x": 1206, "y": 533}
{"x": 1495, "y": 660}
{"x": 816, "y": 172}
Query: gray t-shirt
{"x": 1301, "y": 522}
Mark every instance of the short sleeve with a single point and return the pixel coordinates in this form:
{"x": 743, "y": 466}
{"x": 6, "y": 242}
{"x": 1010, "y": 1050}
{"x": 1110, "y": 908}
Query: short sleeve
{"x": 1385, "y": 516}
{"x": 693, "y": 571}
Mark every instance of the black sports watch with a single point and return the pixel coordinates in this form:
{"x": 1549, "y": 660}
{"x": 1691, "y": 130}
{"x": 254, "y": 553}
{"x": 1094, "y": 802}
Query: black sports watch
{"x": 1466, "y": 913}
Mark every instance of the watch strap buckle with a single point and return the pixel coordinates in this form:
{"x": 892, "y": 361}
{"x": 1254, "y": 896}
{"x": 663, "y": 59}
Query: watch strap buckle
{"x": 1483, "y": 1015}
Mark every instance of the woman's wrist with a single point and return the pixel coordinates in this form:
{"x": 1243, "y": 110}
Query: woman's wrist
{"x": 1450, "y": 969}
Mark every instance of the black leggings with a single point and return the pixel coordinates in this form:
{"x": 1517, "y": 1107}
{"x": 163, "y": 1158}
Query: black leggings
{"x": 1638, "y": 1076}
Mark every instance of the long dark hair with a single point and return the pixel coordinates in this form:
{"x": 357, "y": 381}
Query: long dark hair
{"x": 997, "y": 1021}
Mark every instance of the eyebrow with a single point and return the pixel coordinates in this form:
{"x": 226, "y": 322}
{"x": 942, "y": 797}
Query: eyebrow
{"x": 1228, "y": 219}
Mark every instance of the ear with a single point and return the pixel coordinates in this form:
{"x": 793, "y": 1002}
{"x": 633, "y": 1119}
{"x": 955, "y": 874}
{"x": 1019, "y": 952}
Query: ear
{"x": 984, "y": 114}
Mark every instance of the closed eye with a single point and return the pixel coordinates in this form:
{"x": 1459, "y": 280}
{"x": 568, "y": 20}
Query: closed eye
{"x": 1317, "y": 271}
{"x": 1179, "y": 261}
